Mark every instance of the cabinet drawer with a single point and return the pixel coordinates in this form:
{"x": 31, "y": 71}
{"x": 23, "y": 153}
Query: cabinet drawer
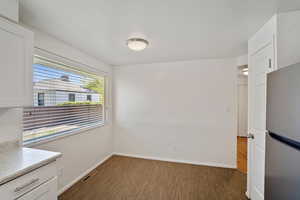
{"x": 46, "y": 191}
{"x": 27, "y": 182}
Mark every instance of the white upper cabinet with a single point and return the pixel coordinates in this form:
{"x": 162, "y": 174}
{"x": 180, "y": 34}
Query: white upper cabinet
{"x": 283, "y": 31}
{"x": 288, "y": 38}
{"x": 10, "y": 9}
{"x": 266, "y": 36}
{"x": 16, "y": 50}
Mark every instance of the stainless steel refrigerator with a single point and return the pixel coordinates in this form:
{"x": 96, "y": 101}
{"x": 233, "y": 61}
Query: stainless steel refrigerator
{"x": 282, "y": 180}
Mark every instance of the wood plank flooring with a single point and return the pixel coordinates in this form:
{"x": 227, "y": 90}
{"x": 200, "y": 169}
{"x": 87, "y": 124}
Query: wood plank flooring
{"x": 124, "y": 178}
{"x": 242, "y": 154}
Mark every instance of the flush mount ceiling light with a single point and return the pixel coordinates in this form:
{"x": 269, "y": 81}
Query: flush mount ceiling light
{"x": 137, "y": 44}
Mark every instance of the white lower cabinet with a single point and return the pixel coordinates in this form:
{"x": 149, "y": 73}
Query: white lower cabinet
{"x": 46, "y": 191}
{"x": 39, "y": 184}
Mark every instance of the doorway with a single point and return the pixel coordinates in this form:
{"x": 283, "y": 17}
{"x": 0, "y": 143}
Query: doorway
{"x": 242, "y": 125}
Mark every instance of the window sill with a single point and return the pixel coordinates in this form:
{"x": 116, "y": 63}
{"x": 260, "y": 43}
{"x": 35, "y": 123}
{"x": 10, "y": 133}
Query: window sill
{"x": 40, "y": 141}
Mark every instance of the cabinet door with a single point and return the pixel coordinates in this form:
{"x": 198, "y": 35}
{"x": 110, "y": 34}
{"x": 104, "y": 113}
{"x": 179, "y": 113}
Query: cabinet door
{"x": 47, "y": 191}
{"x": 10, "y": 9}
{"x": 16, "y": 49}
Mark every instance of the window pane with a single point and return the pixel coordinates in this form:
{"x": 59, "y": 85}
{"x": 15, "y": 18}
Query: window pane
{"x": 71, "y": 97}
{"x": 65, "y": 99}
{"x": 89, "y": 97}
{"x": 41, "y": 99}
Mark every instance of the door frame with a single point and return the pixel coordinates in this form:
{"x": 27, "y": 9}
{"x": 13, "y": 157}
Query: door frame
{"x": 240, "y": 83}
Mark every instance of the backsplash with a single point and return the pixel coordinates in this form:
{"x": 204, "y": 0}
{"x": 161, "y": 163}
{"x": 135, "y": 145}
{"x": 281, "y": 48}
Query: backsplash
{"x": 10, "y": 124}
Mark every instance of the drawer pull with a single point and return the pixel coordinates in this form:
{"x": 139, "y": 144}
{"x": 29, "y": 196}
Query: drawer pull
{"x": 18, "y": 189}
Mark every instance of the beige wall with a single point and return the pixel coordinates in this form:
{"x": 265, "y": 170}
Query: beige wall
{"x": 181, "y": 111}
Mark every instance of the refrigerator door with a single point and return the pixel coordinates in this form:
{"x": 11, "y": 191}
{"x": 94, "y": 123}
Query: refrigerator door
{"x": 283, "y": 102}
{"x": 282, "y": 174}
{"x": 282, "y": 170}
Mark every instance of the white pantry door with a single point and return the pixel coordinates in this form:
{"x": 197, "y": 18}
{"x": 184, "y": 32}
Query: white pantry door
{"x": 260, "y": 63}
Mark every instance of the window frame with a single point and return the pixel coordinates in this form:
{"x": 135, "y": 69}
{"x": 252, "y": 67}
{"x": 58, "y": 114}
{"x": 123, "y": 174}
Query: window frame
{"x": 76, "y": 66}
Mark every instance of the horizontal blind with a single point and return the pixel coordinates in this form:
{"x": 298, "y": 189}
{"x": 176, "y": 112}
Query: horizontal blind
{"x": 64, "y": 99}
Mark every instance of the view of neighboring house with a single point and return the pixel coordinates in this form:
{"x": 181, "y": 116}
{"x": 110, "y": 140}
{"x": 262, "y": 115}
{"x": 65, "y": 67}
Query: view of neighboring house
{"x": 56, "y": 91}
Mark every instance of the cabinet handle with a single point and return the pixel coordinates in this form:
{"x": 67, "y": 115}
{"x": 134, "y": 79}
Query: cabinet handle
{"x": 250, "y": 136}
{"x": 270, "y": 63}
{"x": 22, "y": 187}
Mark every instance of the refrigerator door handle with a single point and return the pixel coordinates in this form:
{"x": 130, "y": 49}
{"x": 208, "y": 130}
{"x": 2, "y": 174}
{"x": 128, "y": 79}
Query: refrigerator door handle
{"x": 287, "y": 141}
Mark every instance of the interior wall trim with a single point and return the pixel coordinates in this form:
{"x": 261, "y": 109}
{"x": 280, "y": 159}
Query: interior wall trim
{"x": 210, "y": 164}
{"x": 67, "y": 61}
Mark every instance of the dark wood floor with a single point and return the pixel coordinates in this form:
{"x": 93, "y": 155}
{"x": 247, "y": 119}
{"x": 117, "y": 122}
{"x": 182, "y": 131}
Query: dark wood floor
{"x": 124, "y": 178}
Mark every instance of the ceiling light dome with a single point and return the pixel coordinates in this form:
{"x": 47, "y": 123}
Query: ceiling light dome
{"x": 137, "y": 44}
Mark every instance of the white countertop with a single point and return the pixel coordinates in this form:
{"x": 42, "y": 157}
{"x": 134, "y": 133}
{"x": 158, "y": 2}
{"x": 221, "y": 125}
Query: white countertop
{"x": 16, "y": 161}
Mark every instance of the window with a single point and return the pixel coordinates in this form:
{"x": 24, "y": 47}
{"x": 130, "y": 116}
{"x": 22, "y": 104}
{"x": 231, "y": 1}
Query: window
{"x": 89, "y": 97}
{"x": 63, "y": 100}
{"x": 41, "y": 99}
{"x": 72, "y": 97}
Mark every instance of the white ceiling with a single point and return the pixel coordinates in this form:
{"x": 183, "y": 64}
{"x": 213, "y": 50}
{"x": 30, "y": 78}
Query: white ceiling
{"x": 176, "y": 29}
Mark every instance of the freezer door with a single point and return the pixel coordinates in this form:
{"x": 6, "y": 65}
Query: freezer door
{"x": 282, "y": 180}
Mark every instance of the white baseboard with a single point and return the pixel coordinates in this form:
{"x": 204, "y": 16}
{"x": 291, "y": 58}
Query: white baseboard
{"x": 211, "y": 164}
{"x": 83, "y": 175}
